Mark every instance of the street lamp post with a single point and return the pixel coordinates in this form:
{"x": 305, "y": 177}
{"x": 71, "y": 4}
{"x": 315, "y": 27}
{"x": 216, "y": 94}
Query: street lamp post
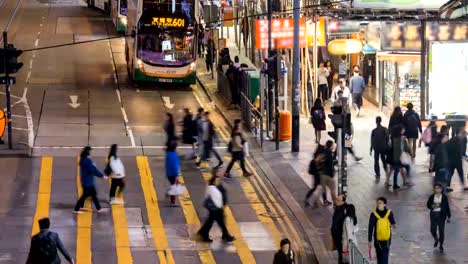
{"x": 295, "y": 79}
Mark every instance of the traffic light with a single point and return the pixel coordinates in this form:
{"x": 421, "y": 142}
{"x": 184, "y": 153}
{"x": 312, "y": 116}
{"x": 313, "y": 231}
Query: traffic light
{"x": 9, "y": 58}
{"x": 274, "y": 65}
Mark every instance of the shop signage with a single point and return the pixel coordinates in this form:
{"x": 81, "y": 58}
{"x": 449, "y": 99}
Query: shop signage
{"x": 228, "y": 16}
{"x": 344, "y": 46}
{"x": 168, "y": 22}
{"x": 282, "y": 33}
{"x": 407, "y": 36}
{"x": 400, "y": 4}
{"x": 336, "y": 27}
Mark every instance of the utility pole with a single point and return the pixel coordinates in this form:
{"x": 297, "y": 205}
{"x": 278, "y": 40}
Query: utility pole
{"x": 7, "y": 90}
{"x": 270, "y": 79}
{"x": 295, "y": 79}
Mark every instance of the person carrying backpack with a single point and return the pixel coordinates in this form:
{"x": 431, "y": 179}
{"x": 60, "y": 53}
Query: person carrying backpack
{"x": 44, "y": 246}
{"x": 318, "y": 119}
{"x": 381, "y": 222}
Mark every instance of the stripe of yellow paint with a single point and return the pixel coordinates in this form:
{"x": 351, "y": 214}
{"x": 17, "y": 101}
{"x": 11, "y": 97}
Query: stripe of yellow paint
{"x": 243, "y": 250}
{"x": 154, "y": 215}
{"x": 83, "y": 226}
{"x": 122, "y": 240}
{"x": 191, "y": 217}
{"x": 43, "y": 194}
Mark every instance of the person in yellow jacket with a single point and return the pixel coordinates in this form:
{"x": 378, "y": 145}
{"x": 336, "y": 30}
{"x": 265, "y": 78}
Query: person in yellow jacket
{"x": 381, "y": 222}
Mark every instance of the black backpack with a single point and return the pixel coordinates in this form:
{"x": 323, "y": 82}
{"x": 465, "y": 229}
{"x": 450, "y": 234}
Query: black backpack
{"x": 313, "y": 168}
{"x": 45, "y": 247}
{"x": 317, "y": 115}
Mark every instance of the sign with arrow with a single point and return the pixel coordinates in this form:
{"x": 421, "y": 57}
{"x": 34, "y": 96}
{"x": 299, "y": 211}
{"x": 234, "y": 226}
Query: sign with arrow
{"x": 167, "y": 102}
{"x": 74, "y": 101}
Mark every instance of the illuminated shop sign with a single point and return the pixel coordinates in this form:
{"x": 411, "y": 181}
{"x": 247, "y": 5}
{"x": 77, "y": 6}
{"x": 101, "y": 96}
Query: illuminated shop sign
{"x": 400, "y": 4}
{"x": 168, "y": 22}
{"x": 407, "y": 36}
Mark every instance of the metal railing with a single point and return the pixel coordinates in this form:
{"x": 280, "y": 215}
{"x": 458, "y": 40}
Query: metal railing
{"x": 252, "y": 118}
{"x": 356, "y": 256}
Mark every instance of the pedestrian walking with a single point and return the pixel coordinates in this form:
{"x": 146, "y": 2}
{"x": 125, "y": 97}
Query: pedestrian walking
{"x": 357, "y": 85}
{"x": 313, "y": 170}
{"x": 439, "y": 213}
{"x": 188, "y": 131}
{"x": 343, "y": 68}
{"x": 400, "y": 153}
{"x": 326, "y": 170}
{"x": 172, "y": 165}
{"x": 331, "y": 75}
{"x": 428, "y": 137}
{"x": 339, "y": 235}
{"x": 45, "y": 246}
{"x": 87, "y": 171}
{"x": 348, "y": 140}
{"x": 116, "y": 170}
{"x": 441, "y": 161}
{"x": 341, "y": 87}
{"x": 323, "y": 74}
{"x": 236, "y": 148}
{"x": 210, "y": 54}
{"x": 456, "y": 149}
{"x": 214, "y": 203}
{"x": 198, "y": 131}
{"x": 380, "y": 145}
{"x": 396, "y": 119}
{"x": 413, "y": 127}
{"x": 284, "y": 255}
{"x": 169, "y": 128}
{"x": 201, "y": 36}
{"x": 209, "y": 136}
{"x": 381, "y": 222}
{"x": 318, "y": 119}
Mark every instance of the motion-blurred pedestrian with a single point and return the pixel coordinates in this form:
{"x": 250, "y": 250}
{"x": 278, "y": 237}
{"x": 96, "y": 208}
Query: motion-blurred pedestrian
{"x": 456, "y": 149}
{"x": 441, "y": 160}
{"x": 172, "y": 167}
{"x": 170, "y": 129}
{"x": 284, "y": 255}
{"x": 396, "y": 118}
{"x": 87, "y": 171}
{"x": 327, "y": 171}
{"x": 198, "y": 131}
{"x": 187, "y": 132}
{"x": 209, "y": 136}
{"x": 236, "y": 148}
{"x": 117, "y": 174}
{"x": 413, "y": 127}
{"x": 45, "y": 246}
{"x": 313, "y": 170}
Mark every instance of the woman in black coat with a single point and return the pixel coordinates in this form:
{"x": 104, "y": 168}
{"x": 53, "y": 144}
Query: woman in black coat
{"x": 317, "y": 113}
{"x": 284, "y": 255}
{"x": 396, "y": 119}
{"x": 188, "y": 128}
{"x": 440, "y": 212}
{"x": 169, "y": 128}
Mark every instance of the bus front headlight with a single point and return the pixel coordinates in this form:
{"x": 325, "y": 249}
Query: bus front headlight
{"x": 192, "y": 66}
{"x": 139, "y": 63}
{"x": 123, "y": 20}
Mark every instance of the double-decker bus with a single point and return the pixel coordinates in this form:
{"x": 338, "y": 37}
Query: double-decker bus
{"x": 162, "y": 46}
{"x": 119, "y": 15}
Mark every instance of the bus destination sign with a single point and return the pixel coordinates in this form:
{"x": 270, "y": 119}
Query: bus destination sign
{"x": 168, "y": 22}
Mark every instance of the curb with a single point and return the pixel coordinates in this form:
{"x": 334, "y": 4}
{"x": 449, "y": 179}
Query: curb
{"x": 307, "y": 227}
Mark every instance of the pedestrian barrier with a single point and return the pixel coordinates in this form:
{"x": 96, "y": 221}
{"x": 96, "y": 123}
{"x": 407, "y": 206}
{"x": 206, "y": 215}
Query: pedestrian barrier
{"x": 252, "y": 118}
{"x": 355, "y": 255}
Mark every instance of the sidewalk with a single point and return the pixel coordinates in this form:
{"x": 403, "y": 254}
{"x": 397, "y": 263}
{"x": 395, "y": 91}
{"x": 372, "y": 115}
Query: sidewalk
{"x": 412, "y": 241}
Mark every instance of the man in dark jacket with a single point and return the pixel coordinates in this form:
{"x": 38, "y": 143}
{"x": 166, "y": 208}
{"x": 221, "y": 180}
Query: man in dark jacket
{"x": 209, "y": 136}
{"x": 379, "y": 144}
{"x": 44, "y": 246}
{"x": 342, "y": 210}
{"x": 441, "y": 160}
{"x": 413, "y": 127}
{"x": 440, "y": 212}
{"x": 456, "y": 149}
{"x": 382, "y": 247}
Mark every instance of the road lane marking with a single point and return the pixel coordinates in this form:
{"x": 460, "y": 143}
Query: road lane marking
{"x": 36, "y": 43}
{"x": 122, "y": 240}
{"x": 191, "y": 217}
{"x": 28, "y": 76}
{"x": 29, "y": 119}
{"x": 30, "y": 64}
{"x": 154, "y": 215}
{"x": 83, "y": 225}
{"x": 243, "y": 250}
{"x": 43, "y": 193}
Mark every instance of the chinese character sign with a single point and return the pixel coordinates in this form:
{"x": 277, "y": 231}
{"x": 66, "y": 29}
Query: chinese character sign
{"x": 168, "y": 22}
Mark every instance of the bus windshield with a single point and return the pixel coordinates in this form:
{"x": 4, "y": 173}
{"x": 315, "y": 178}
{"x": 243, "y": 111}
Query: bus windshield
{"x": 165, "y": 47}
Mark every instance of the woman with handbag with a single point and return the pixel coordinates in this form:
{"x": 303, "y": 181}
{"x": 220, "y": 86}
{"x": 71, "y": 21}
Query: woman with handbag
{"x": 236, "y": 148}
{"x": 172, "y": 167}
{"x": 116, "y": 170}
{"x": 214, "y": 203}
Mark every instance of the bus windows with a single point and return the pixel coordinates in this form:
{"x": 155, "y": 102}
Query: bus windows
{"x": 123, "y": 7}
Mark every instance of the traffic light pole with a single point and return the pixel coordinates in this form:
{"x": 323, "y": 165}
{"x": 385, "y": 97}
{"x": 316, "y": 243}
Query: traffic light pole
{"x": 270, "y": 80}
{"x": 7, "y": 91}
{"x": 296, "y": 79}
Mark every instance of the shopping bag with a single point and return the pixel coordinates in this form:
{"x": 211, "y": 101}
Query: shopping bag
{"x": 176, "y": 190}
{"x": 405, "y": 158}
{"x": 246, "y": 149}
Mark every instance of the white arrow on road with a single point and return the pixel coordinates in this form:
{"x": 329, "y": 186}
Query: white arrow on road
{"x": 167, "y": 102}
{"x": 74, "y": 101}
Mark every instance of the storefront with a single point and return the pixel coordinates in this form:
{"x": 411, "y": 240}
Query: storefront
{"x": 399, "y": 80}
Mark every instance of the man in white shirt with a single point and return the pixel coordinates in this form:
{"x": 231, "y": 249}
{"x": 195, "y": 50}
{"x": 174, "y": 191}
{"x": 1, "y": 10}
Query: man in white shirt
{"x": 341, "y": 87}
{"x": 322, "y": 75}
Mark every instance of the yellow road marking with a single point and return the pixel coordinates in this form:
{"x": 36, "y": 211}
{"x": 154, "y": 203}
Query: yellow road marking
{"x": 154, "y": 215}
{"x": 122, "y": 240}
{"x": 83, "y": 226}
{"x": 43, "y": 194}
{"x": 243, "y": 250}
{"x": 191, "y": 217}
